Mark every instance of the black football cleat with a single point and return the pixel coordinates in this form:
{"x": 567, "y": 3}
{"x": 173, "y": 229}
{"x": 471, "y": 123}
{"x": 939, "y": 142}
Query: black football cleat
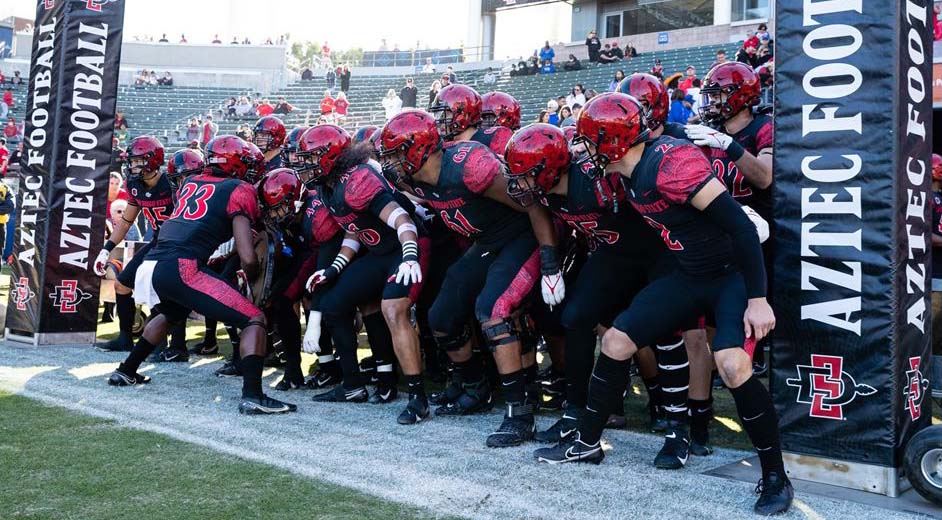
{"x": 554, "y": 393}
{"x": 700, "y": 443}
{"x": 416, "y": 411}
{"x": 616, "y": 422}
{"x": 775, "y": 495}
{"x": 323, "y": 379}
{"x": 264, "y": 405}
{"x": 205, "y": 348}
{"x": 118, "y": 344}
{"x": 287, "y": 384}
{"x": 172, "y": 355}
{"x": 561, "y": 429}
{"x": 676, "y": 449}
{"x": 475, "y": 398}
{"x": 230, "y": 369}
{"x": 571, "y": 449}
{"x": 516, "y": 428}
{"x": 384, "y": 394}
{"x": 341, "y": 395}
{"x": 449, "y": 394}
{"x": 119, "y": 378}
{"x": 276, "y": 359}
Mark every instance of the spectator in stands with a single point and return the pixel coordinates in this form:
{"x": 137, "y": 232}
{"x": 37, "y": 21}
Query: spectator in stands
{"x": 409, "y": 94}
{"x": 140, "y": 78}
{"x": 547, "y": 53}
{"x": 573, "y": 63}
{"x": 345, "y": 78}
{"x": 617, "y": 52}
{"x": 552, "y": 107}
{"x": 513, "y": 71}
{"x": 210, "y": 128}
{"x": 216, "y": 39}
{"x": 16, "y": 80}
{"x": 762, "y": 32}
{"x": 391, "y": 104}
{"x": 747, "y": 54}
{"x": 235, "y": 40}
{"x": 119, "y": 119}
{"x": 3, "y": 78}
{"x": 489, "y": 77}
{"x": 152, "y": 79}
{"x": 268, "y": 41}
{"x": 591, "y": 93}
{"x": 194, "y": 144}
{"x": 122, "y": 134}
{"x": 679, "y": 112}
{"x": 720, "y": 58}
{"x": 327, "y": 105}
{"x": 8, "y": 98}
{"x": 382, "y": 45}
{"x": 429, "y": 67}
{"x": 117, "y": 155}
{"x": 606, "y": 56}
{"x": 452, "y": 77}
{"x": 534, "y": 67}
{"x": 433, "y": 92}
{"x": 657, "y": 70}
{"x": 576, "y": 95}
{"x": 937, "y": 21}
{"x": 548, "y": 67}
{"x": 167, "y": 80}
{"x": 307, "y": 74}
{"x": 340, "y": 107}
{"x": 244, "y": 107}
{"x": 619, "y": 75}
{"x": 694, "y": 91}
{"x": 264, "y": 108}
{"x": 183, "y": 38}
{"x": 630, "y": 51}
{"x": 193, "y": 130}
{"x": 4, "y": 110}
{"x": 688, "y": 80}
{"x": 325, "y": 51}
{"x": 445, "y": 80}
{"x": 4, "y": 157}
{"x": 593, "y": 43}
{"x": 565, "y": 115}
{"x": 543, "y": 117}
{"x": 330, "y": 78}
{"x": 163, "y": 39}
{"x": 244, "y": 132}
{"x": 246, "y": 41}
{"x": 283, "y": 107}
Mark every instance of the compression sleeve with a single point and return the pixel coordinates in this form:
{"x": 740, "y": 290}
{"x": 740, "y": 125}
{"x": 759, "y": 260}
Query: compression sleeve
{"x": 725, "y": 212}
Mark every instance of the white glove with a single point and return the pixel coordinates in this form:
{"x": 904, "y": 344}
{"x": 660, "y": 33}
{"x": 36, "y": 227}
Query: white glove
{"x": 244, "y": 286}
{"x": 102, "y": 261}
{"x": 706, "y": 136}
{"x": 762, "y": 227}
{"x": 224, "y": 249}
{"x": 312, "y": 336}
{"x": 553, "y": 288}
{"x": 409, "y": 272}
{"x": 320, "y": 277}
{"x": 423, "y": 213}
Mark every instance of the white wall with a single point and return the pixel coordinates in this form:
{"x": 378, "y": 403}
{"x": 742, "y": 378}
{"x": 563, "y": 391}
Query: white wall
{"x": 522, "y": 30}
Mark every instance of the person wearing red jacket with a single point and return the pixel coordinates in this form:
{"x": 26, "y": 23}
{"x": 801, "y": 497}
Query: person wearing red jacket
{"x": 327, "y": 105}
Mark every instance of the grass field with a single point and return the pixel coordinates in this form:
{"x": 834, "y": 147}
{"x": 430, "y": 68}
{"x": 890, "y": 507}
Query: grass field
{"x": 59, "y": 464}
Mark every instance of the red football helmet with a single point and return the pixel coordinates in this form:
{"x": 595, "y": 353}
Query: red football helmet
{"x": 609, "y": 125}
{"x": 536, "y": 158}
{"x": 318, "y": 151}
{"x": 255, "y": 161}
{"x": 184, "y": 163}
{"x": 229, "y": 154}
{"x": 145, "y": 157}
{"x": 290, "y": 151}
{"x": 737, "y": 82}
{"x": 269, "y": 133}
{"x": 569, "y": 132}
{"x": 406, "y": 142}
{"x": 279, "y": 195}
{"x": 500, "y": 109}
{"x": 364, "y": 133}
{"x": 936, "y": 167}
{"x": 651, "y": 93}
{"x": 457, "y": 108}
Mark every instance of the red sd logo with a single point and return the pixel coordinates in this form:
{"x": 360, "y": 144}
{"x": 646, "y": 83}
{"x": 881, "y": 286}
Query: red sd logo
{"x": 915, "y": 389}
{"x": 22, "y": 293}
{"x": 67, "y": 296}
{"x": 826, "y": 387}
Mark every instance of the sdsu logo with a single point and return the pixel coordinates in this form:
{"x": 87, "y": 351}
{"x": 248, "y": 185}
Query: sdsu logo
{"x": 22, "y": 294}
{"x": 914, "y": 391}
{"x": 68, "y": 296}
{"x": 826, "y": 387}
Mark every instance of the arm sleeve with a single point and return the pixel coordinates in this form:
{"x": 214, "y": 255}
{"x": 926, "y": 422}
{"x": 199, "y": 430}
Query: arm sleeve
{"x": 365, "y": 190}
{"x": 481, "y": 167}
{"x": 243, "y": 201}
{"x": 725, "y": 212}
{"x": 766, "y": 136}
{"x": 683, "y": 171}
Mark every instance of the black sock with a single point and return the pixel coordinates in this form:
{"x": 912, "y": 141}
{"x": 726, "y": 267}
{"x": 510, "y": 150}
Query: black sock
{"x": 654, "y": 396}
{"x": 138, "y": 354}
{"x": 252, "y": 375}
{"x": 124, "y": 306}
{"x": 513, "y": 387}
{"x": 345, "y": 341}
{"x": 673, "y": 377}
{"x": 327, "y": 346}
{"x": 530, "y": 374}
{"x": 580, "y": 352}
{"x": 381, "y": 344}
{"x": 209, "y": 337}
{"x": 701, "y": 411}
{"x": 760, "y": 421}
{"x": 468, "y": 372}
{"x": 178, "y": 337}
{"x": 289, "y": 327}
{"x": 606, "y": 388}
{"x": 235, "y": 340}
{"x": 416, "y": 385}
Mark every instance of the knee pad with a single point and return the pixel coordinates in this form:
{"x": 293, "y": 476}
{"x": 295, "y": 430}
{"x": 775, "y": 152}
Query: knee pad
{"x": 506, "y": 328}
{"x": 453, "y": 342}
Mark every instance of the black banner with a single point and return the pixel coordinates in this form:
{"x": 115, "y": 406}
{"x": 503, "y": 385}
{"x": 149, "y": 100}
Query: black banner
{"x": 851, "y": 234}
{"x": 91, "y": 54}
{"x": 29, "y": 246}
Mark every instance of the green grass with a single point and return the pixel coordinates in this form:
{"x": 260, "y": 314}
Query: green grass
{"x": 58, "y": 464}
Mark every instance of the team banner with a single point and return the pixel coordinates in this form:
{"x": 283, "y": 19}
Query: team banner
{"x": 29, "y": 245}
{"x": 91, "y": 48}
{"x": 852, "y": 119}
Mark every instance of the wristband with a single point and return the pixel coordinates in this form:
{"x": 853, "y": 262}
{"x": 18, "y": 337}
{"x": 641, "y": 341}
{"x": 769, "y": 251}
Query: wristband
{"x": 109, "y": 246}
{"x": 410, "y": 251}
{"x": 351, "y": 244}
{"x": 549, "y": 262}
{"x": 735, "y": 150}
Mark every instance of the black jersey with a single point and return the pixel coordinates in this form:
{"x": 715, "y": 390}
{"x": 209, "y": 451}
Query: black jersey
{"x": 668, "y": 176}
{"x": 625, "y": 232}
{"x": 757, "y": 135}
{"x": 468, "y": 170}
{"x": 156, "y": 203}
{"x": 356, "y": 200}
{"x": 675, "y": 130}
{"x": 495, "y": 138}
{"x": 202, "y": 220}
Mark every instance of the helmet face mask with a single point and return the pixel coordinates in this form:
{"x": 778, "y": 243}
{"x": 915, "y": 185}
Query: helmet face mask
{"x": 488, "y": 119}
{"x": 728, "y": 89}
{"x": 714, "y": 105}
{"x": 279, "y": 196}
{"x": 309, "y": 167}
{"x": 262, "y": 139}
{"x": 445, "y": 121}
{"x": 396, "y": 168}
{"x": 523, "y": 187}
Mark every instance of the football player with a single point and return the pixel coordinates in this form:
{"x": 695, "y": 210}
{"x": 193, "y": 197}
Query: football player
{"x": 149, "y": 191}
{"x": 211, "y": 208}
{"x": 458, "y": 109}
{"x": 373, "y": 213}
{"x": 269, "y": 135}
{"x": 463, "y": 182}
{"x": 721, "y": 275}
{"x": 500, "y": 109}
{"x": 289, "y": 151}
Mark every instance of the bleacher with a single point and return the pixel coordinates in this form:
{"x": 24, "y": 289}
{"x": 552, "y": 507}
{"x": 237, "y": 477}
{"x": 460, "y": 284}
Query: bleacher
{"x": 366, "y": 92}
